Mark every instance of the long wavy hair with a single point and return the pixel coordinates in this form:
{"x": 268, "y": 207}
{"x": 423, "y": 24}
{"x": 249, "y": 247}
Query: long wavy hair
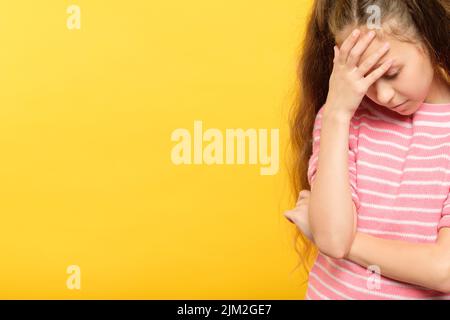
{"x": 427, "y": 19}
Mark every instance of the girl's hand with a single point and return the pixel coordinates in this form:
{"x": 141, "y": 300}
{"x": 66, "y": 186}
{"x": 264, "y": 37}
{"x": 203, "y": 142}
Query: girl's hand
{"x": 299, "y": 215}
{"x": 348, "y": 82}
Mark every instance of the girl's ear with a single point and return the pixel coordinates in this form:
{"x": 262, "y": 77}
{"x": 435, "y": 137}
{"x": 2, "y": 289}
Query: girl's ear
{"x": 423, "y": 49}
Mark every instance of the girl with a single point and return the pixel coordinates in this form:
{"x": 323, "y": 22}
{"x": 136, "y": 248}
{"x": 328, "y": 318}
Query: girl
{"x": 377, "y": 104}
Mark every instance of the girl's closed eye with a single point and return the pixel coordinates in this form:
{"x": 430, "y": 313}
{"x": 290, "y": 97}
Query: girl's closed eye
{"x": 392, "y": 74}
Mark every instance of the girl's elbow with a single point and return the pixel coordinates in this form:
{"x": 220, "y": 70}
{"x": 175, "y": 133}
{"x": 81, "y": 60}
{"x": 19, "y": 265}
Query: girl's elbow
{"x": 444, "y": 286}
{"x": 332, "y": 246}
{"x": 444, "y": 283}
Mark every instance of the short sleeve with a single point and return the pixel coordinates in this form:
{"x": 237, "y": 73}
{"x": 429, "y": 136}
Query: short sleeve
{"x": 445, "y": 218}
{"x": 313, "y": 160}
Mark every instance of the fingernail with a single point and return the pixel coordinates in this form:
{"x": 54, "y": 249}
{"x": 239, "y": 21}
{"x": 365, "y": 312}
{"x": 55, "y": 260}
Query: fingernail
{"x": 371, "y": 34}
{"x": 355, "y": 33}
{"x": 386, "y": 45}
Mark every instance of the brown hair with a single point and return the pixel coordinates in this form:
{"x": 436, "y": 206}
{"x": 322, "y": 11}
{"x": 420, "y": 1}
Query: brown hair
{"x": 429, "y": 22}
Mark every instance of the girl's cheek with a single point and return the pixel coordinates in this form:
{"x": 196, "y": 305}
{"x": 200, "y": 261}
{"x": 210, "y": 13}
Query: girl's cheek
{"x": 371, "y": 93}
{"x": 411, "y": 89}
{"x": 421, "y": 86}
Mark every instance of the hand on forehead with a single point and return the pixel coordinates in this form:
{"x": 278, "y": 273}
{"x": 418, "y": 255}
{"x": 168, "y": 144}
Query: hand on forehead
{"x": 380, "y": 39}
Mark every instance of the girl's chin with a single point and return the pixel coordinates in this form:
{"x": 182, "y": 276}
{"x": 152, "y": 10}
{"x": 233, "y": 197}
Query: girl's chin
{"x": 404, "y": 111}
{"x": 402, "y": 107}
{"x": 408, "y": 108}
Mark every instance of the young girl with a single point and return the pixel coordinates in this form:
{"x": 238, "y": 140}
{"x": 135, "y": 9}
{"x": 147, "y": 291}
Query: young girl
{"x": 377, "y": 102}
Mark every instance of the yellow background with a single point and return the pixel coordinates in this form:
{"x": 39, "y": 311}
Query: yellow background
{"x": 85, "y": 171}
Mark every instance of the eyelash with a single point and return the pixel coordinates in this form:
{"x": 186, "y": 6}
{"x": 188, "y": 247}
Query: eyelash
{"x": 391, "y": 77}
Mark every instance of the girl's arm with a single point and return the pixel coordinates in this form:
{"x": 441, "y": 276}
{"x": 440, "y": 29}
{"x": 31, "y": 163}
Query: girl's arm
{"x": 332, "y": 213}
{"x": 423, "y": 264}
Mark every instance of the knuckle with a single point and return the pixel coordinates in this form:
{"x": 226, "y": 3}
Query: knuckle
{"x": 357, "y": 52}
{"x": 364, "y": 66}
{"x": 353, "y": 55}
{"x": 360, "y": 90}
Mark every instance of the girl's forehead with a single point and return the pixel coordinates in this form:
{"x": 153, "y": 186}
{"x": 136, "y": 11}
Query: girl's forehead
{"x": 397, "y": 50}
{"x": 377, "y": 44}
{"x": 346, "y": 32}
{"x": 389, "y": 31}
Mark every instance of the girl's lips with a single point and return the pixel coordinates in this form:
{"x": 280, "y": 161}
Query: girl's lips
{"x": 400, "y": 105}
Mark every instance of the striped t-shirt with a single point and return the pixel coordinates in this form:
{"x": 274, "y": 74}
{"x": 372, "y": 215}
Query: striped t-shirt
{"x": 399, "y": 169}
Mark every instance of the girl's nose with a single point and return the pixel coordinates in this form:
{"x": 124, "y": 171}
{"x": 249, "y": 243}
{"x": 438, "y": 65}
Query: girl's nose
{"x": 384, "y": 92}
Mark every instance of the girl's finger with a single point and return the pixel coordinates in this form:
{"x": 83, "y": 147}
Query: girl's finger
{"x": 377, "y": 73}
{"x": 336, "y": 54}
{"x": 370, "y": 62}
{"x": 360, "y": 47}
{"x": 347, "y": 46}
{"x": 288, "y": 216}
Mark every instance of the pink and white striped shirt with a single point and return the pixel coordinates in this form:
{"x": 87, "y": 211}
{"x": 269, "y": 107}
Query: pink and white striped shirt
{"x": 399, "y": 169}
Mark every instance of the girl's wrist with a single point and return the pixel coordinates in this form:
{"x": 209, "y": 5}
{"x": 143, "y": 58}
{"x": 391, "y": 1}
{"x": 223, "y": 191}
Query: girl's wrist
{"x": 336, "y": 116}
